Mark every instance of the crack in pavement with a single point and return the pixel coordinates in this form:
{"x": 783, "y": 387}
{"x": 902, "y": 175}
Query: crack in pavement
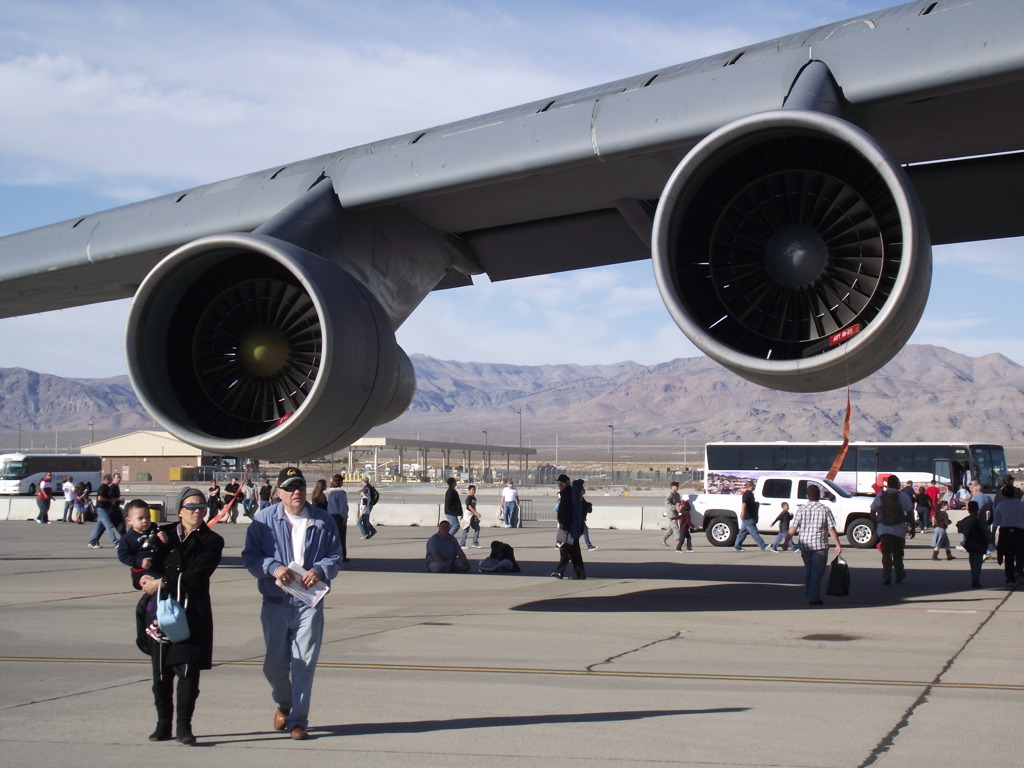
{"x": 887, "y": 741}
{"x": 611, "y": 659}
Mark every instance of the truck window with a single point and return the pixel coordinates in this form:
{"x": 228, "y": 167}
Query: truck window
{"x": 826, "y": 494}
{"x": 777, "y": 489}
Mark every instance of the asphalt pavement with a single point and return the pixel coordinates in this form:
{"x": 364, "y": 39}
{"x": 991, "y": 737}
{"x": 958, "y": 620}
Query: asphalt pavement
{"x": 657, "y": 658}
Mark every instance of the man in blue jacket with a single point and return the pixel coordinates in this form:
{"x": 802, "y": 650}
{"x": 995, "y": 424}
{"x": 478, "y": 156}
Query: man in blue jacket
{"x": 291, "y": 532}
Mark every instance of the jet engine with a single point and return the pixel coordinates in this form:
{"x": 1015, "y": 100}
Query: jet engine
{"x": 247, "y": 345}
{"x": 791, "y": 249}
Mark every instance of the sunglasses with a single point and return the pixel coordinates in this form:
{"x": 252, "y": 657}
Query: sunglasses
{"x": 194, "y": 507}
{"x": 294, "y": 487}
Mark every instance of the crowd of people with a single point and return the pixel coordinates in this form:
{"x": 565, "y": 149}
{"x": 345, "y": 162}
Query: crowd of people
{"x": 296, "y": 542}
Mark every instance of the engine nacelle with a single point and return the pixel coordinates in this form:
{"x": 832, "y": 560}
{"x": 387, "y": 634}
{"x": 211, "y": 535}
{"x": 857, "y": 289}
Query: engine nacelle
{"x": 246, "y": 345}
{"x": 791, "y": 249}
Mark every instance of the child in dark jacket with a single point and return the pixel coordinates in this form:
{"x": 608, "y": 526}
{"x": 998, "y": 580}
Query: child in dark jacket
{"x": 136, "y": 549}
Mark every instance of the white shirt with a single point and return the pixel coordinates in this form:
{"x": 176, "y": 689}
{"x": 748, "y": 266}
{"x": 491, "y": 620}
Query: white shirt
{"x": 69, "y": 491}
{"x": 298, "y": 523}
{"x": 509, "y": 494}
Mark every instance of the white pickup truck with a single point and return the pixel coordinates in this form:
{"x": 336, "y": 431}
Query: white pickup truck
{"x": 718, "y": 513}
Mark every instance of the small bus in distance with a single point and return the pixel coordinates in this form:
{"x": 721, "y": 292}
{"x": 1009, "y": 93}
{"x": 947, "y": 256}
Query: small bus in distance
{"x": 20, "y": 473}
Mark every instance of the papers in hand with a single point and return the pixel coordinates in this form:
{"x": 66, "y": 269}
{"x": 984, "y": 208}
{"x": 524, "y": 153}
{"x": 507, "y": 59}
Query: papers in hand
{"x": 308, "y": 595}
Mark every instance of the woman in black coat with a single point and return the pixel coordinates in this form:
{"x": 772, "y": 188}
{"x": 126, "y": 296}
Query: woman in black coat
{"x": 192, "y": 552}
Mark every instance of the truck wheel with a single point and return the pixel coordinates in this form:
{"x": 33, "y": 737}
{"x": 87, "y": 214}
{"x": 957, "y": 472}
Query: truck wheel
{"x": 861, "y": 533}
{"x": 721, "y": 531}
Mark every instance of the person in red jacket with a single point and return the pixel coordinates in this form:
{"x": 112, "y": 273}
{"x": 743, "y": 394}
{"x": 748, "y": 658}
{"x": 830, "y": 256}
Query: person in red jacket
{"x": 43, "y": 499}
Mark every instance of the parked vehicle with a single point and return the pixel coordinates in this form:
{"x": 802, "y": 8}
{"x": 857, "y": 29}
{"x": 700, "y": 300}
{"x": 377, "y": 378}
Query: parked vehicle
{"x": 718, "y": 513}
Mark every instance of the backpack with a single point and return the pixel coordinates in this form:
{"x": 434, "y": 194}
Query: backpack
{"x": 374, "y": 496}
{"x": 892, "y": 511}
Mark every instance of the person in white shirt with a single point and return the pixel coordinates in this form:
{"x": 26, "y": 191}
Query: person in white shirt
{"x": 509, "y": 504}
{"x": 291, "y": 531}
{"x": 69, "y": 499}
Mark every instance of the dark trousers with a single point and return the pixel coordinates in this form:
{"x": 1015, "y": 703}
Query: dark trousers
{"x": 571, "y": 552}
{"x": 1011, "y": 550}
{"x": 892, "y": 556}
{"x": 342, "y": 523}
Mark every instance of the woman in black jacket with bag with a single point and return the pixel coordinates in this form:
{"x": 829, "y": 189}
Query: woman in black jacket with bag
{"x": 189, "y": 558}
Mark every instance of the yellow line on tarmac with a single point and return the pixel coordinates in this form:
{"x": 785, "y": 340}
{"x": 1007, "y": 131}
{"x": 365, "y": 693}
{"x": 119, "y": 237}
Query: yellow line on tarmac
{"x": 568, "y": 672}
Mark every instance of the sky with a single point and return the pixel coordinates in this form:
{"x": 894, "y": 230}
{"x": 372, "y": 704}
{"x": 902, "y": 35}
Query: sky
{"x": 111, "y": 102}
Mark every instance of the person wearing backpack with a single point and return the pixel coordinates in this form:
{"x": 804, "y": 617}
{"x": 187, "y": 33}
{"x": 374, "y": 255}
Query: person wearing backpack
{"x": 367, "y": 498}
{"x": 893, "y": 516}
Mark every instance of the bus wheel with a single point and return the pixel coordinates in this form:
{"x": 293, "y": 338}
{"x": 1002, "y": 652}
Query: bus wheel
{"x": 32, "y": 489}
{"x": 861, "y": 533}
{"x": 721, "y": 531}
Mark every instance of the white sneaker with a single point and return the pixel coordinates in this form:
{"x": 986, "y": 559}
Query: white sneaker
{"x": 592, "y": 548}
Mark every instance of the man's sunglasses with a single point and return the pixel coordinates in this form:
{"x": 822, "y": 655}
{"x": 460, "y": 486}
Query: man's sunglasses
{"x": 194, "y": 507}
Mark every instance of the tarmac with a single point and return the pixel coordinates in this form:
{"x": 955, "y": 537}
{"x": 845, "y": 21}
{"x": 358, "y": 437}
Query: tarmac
{"x": 657, "y": 658}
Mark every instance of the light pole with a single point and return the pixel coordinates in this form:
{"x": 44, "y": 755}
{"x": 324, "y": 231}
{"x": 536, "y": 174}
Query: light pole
{"x": 487, "y": 460}
{"x": 19, "y": 437}
{"x": 612, "y": 428}
{"x": 520, "y": 412}
{"x": 92, "y": 432}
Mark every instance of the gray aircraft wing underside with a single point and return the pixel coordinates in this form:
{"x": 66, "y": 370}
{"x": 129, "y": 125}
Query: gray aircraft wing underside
{"x": 564, "y": 183}
{"x": 858, "y": 144}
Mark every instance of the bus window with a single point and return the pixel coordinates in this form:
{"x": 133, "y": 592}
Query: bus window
{"x": 757, "y": 457}
{"x": 721, "y": 456}
{"x": 942, "y": 471}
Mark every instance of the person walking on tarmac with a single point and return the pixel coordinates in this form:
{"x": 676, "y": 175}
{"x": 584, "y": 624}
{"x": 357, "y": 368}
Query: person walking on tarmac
{"x": 570, "y": 521}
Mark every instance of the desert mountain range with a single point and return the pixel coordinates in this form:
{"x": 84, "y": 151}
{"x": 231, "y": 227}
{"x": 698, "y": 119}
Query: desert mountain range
{"x": 925, "y": 393}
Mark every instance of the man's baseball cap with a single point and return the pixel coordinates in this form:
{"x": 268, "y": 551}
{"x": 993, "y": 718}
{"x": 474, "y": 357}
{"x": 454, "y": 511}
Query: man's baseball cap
{"x": 563, "y": 479}
{"x": 289, "y": 476}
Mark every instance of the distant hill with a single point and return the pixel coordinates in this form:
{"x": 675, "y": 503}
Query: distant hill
{"x": 925, "y": 393}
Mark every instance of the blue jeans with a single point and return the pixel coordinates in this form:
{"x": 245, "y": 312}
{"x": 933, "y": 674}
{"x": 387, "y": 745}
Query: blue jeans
{"x": 508, "y": 510}
{"x": 103, "y": 522}
{"x": 749, "y": 528}
{"x": 454, "y": 522}
{"x": 815, "y": 561}
{"x": 292, "y": 634}
{"x": 365, "y": 526}
{"x": 465, "y": 533}
{"x": 44, "y": 510}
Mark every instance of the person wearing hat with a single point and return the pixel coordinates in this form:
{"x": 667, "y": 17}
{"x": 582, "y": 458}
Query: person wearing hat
{"x": 570, "y": 523}
{"x": 291, "y": 531}
{"x": 187, "y": 562}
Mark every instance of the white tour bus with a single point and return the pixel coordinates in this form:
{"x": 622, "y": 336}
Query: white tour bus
{"x": 20, "y": 473}
{"x": 865, "y": 466}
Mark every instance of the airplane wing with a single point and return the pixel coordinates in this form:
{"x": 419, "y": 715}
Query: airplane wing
{"x": 788, "y": 194}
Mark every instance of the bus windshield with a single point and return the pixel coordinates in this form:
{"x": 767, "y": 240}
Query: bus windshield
{"x": 12, "y": 470}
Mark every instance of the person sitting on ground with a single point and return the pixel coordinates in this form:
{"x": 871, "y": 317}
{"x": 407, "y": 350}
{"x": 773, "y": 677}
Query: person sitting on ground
{"x": 444, "y": 555}
{"x": 501, "y": 560}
